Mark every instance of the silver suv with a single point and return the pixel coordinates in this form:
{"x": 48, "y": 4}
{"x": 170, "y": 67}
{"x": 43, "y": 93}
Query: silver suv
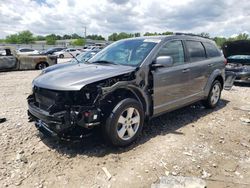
{"x": 126, "y": 83}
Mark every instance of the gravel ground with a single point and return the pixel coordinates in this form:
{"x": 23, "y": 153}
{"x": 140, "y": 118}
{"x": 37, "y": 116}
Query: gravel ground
{"x": 193, "y": 141}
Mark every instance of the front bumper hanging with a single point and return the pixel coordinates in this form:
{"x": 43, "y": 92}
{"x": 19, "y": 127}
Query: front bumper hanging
{"x": 59, "y": 123}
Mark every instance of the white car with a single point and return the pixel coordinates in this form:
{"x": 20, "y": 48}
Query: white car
{"x": 68, "y": 53}
{"x": 27, "y": 51}
{"x": 90, "y": 48}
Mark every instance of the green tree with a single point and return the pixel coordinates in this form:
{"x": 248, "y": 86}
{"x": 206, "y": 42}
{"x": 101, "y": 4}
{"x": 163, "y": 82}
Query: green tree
{"x": 2, "y": 41}
{"x": 203, "y": 34}
{"x": 242, "y": 36}
{"x": 151, "y": 34}
{"x": 167, "y": 33}
{"x": 58, "y": 37}
{"x": 79, "y": 42}
{"x": 113, "y": 37}
{"x": 40, "y": 37}
{"x": 51, "y": 39}
{"x": 66, "y": 37}
{"x": 25, "y": 37}
{"x": 75, "y": 36}
{"x": 95, "y": 37}
{"x": 122, "y": 35}
{"x": 12, "y": 39}
{"x": 220, "y": 41}
{"x": 137, "y": 34}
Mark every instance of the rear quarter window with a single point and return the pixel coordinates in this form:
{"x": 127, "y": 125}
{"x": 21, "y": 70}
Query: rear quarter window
{"x": 211, "y": 50}
{"x": 196, "y": 51}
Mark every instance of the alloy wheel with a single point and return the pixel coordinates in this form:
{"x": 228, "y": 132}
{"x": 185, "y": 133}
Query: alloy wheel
{"x": 128, "y": 123}
{"x": 215, "y": 94}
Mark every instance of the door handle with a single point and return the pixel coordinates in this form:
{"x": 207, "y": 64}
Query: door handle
{"x": 210, "y": 65}
{"x": 185, "y": 70}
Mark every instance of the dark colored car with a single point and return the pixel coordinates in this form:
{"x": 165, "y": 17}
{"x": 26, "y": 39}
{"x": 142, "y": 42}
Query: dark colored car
{"x": 50, "y": 51}
{"x": 238, "y": 59}
{"x": 127, "y": 83}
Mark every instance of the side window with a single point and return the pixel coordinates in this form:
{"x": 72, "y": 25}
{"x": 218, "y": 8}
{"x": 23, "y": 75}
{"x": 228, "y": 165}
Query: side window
{"x": 196, "y": 51}
{"x": 173, "y": 49}
{"x": 8, "y": 52}
{"x": 26, "y": 50}
{"x": 212, "y": 50}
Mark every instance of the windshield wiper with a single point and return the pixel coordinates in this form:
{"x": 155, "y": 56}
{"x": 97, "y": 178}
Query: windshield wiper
{"x": 104, "y": 62}
{"x": 74, "y": 58}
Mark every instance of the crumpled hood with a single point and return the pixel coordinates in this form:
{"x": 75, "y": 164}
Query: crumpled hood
{"x": 76, "y": 76}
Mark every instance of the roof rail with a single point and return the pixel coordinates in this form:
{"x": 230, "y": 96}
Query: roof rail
{"x": 191, "y": 34}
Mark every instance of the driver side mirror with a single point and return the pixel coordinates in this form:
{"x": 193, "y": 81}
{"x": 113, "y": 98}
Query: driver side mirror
{"x": 163, "y": 61}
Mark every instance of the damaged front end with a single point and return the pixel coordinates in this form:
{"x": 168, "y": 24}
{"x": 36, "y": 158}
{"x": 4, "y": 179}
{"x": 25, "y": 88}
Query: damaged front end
{"x": 62, "y": 111}
{"x": 59, "y": 113}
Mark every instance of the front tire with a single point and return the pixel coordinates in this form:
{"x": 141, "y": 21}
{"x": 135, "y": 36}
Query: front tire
{"x": 61, "y": 56}
{"x": 125, "y": 122}
{"x": 214, "y": 95}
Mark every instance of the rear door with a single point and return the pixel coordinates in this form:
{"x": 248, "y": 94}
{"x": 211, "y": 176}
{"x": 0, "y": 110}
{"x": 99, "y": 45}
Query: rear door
{"x": 170, "y": 83}
{"x": 200, "y": 67}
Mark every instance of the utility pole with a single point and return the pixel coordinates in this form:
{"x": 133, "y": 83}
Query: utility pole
{"x": 85, "y": 32}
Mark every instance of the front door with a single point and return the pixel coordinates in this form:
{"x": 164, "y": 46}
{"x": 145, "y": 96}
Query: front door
{"x": 171, "y": 83}
{"x": 7, "y": 61}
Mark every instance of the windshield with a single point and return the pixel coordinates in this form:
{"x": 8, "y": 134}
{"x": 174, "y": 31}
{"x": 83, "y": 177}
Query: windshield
{"x": 126, "y": 52}
{"x": 83, "y": 57}
{"x": 239, "y": 57}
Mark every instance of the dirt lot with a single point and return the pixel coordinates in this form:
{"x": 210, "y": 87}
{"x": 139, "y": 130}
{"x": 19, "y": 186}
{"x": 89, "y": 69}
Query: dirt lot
{"x": 193, "y": 141}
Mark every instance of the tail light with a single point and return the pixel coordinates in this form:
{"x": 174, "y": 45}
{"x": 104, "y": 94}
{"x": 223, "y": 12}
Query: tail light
{"x": 225, "y": 61}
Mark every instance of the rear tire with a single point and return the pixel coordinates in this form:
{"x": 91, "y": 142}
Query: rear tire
{"x": 214, "y": 95}
{"x": 61, "y": 56}
{"x": 41, "y": 66}
{"x": 125, "y": 122}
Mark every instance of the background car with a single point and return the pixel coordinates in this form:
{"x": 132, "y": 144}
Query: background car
{"x": 240, "y": 65}
{"x": 81, "y": 58}
{"x": 27, "y": 51}
{"x": 11, "y": 61}
{"x": 90, "y": 48}
{"x": 68, "y": 53}
{"x": 238, "y": 59}
{"x": 85, "y": 56}
{"x": 50, "y": 51}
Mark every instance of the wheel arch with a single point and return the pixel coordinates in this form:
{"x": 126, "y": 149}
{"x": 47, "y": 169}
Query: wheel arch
{"x": 40, "y": 62}
{"x": 216, "y": 75}
{"x": 129, "y": 92}
{"x": 220, "y": 79}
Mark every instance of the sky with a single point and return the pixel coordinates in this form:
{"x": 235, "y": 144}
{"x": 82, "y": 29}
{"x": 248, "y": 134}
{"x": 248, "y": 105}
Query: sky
{"x": 217, "y": 17}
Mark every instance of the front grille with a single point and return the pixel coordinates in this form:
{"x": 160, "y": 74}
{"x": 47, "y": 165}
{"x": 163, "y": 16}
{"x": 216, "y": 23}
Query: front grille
{"x": 44, "y": 98}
